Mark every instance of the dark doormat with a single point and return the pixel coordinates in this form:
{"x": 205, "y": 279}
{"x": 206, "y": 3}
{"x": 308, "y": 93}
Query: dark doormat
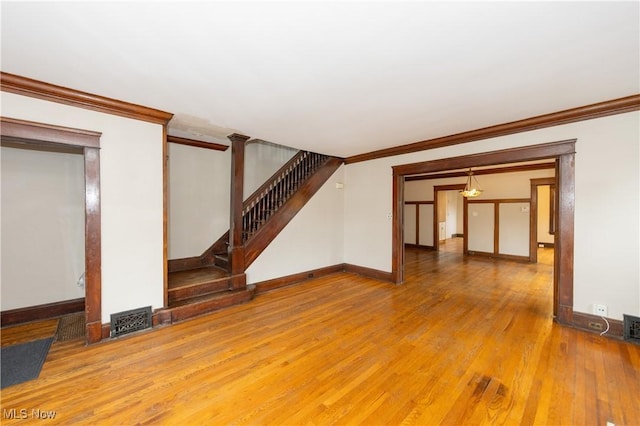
{"x": 71, "y": 327}
{"x": 23, "y": 362}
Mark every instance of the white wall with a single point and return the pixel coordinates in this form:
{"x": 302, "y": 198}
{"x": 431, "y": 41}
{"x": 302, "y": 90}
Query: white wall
{"x": 199, "y": 187}
{"x": 410, "y": 211}
{"x": 313, "y": 239}
{"x": 606, "y": 239}
{"x": 481, "y": 224}
{"x": 426, "y": 232}
{"x": 513, "y": 230}
{"x": 131, "y": 195}
{"x": 261, "y": 161}
{"x": 543, "y": 214}
{"x": 42, "y": 227}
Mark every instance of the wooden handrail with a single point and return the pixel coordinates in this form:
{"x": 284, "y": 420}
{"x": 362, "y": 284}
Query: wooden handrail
{"x": 257, "y": 210}
{"x": 251, "y": 198}
{"x": 279, "y": 188}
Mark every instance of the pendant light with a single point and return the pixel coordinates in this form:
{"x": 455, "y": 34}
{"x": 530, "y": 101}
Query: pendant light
{"x": 472, "y": 188}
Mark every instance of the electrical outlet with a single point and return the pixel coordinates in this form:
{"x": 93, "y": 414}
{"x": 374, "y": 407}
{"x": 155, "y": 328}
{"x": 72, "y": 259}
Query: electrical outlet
{"x": 600, "y": 310}
{"x": 595, "y": 325}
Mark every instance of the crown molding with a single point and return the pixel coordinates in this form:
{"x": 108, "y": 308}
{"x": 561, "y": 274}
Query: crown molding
{"x": 588, "y": 112}
{"x": 21, "y": 130}
{"x": 37, "y": 89}
{"x": 196, "y": 143}
{"x": 491, "y": 171}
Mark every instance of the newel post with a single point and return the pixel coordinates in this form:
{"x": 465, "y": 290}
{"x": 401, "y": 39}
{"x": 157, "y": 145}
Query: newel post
{"x": 236, "y": 245}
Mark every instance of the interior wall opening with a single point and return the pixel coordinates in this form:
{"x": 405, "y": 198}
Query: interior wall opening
{"x": 84, "y": 148}
{"x": 563, "y": 154}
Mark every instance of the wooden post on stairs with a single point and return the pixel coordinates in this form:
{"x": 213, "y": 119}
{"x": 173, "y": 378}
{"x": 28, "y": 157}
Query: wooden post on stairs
{"x": 236, "y": 244}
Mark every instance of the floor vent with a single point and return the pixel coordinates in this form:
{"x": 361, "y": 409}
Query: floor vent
{"x": 631, "y": 328}
{"x": 129, "y": 321}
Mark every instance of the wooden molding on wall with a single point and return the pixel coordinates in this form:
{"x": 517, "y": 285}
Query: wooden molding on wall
{"x": 198, "y": 144}
{"x": 503, "y": 156}
{"x": 498, "y": 200}
{"x": 491, "y": 171}
{"x": 533, "y": 217}
{"x": 583, "y": 321}
{"x": 588, "y": 112}
{"x": 41, "y": 312}
{"x": 165, "y": 217}
{"x": 34, "y": 133}
{"x": 264, "y": 286}
{"x": 494, "y": 255}
{"x": 93, "y": 244}
{"x": 24, "y": 86}
{"x": 105, "y": 331}
{"x": 419, "y": 246}
{"x": 368, "y": 272}
{"x": 268, "y": 285}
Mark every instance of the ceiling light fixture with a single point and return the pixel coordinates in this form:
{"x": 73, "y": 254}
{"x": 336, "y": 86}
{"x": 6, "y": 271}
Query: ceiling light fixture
{"x": 470, "y": 189}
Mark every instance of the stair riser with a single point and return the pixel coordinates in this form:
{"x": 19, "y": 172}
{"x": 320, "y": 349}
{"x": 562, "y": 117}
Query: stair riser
{"x": 222, "y": 263}
{"x": 189, "y": 311}
{"x": 198, "y": 290}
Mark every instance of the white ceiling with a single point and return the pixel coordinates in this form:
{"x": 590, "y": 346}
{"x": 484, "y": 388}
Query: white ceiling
{"x": 336, "y": 77}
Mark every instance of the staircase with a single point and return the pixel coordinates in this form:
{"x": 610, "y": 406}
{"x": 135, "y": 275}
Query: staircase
{"x": 201, "y": 290}
{"x": 202, "y": 284}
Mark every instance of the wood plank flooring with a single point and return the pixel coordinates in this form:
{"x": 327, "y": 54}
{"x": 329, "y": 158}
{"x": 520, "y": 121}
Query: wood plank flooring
{"x": 463, "y": 341}
{"x": 24, "y": 333}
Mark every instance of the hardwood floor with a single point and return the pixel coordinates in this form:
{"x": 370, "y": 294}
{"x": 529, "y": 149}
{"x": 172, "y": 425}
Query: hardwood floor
{"x": 463, "y": 341}
{"x": 18, "y": 334}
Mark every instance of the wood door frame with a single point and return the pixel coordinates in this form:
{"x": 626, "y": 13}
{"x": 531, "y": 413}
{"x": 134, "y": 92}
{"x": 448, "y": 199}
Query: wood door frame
{"x": 436, "y": 233}
{"x": 533, "y": 216}
{"x": 57, "y": 137}
{"x": 564, "y": 153}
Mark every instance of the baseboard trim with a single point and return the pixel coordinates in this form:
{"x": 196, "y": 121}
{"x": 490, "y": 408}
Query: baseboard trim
{"x": 584, "y": 322}
{"x": 368, "y": 272}
{"x": 524, "y": 259}
{"x": 41, "y": 312}
{"x": 268, "y": 285}
{"x": 106, "y": 331}
{"x": 419, "y": 246}
{"x": 457, "y": 235}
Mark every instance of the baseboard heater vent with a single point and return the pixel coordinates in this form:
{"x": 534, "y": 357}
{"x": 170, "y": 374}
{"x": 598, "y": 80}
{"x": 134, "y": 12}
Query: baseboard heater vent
{"x": 129, "y": 321}
{"x": 631, "y": 328}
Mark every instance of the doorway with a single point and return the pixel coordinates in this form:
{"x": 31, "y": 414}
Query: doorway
{"x": 449, "y": 221}
{"x": 564, "y": 154}
{"x": 86, "y": 143}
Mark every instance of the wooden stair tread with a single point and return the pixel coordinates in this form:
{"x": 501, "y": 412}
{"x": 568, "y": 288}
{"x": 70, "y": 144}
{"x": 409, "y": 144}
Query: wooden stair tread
{"x": 196, "y": 276}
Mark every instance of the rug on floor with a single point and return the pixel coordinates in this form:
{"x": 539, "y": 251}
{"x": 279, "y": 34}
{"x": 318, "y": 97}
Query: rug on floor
{"x": 23, "y": 362}
{"x": 71, "y": 327}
